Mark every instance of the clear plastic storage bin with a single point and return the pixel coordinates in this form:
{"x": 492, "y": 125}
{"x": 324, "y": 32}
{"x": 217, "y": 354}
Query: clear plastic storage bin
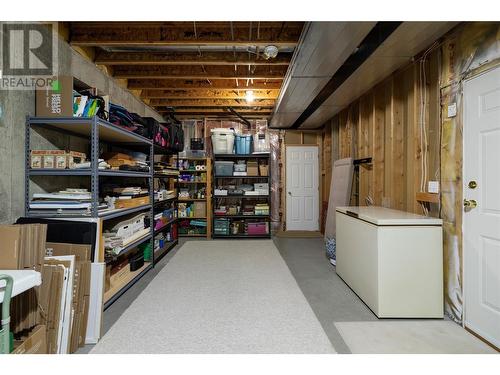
{"x": 222, "y": 141}
{"x": 261, "y": 143}
{"x": 224, "y": 168}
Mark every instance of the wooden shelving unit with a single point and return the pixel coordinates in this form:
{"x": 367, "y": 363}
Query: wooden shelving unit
{"x": 194, "y": 186}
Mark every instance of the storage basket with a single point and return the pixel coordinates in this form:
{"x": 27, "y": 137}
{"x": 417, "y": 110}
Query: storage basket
{"x": 224, "y": 168}
{"x": 222, "y": 141}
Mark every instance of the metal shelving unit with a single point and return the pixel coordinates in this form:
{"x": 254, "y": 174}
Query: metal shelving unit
{"x": 267, "y": 198}
{"x": 159, "y": 254}
{"x": 97, "y": 131}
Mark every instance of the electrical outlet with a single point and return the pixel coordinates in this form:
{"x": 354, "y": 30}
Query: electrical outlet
{"x": 433, "y": 187}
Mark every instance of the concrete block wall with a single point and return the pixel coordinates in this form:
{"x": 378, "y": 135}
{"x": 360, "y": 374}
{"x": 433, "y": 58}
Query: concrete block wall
{"x": 16, "y": 105}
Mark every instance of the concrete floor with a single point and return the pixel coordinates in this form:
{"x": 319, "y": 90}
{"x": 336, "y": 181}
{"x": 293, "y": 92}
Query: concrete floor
{"x": 330, "y": 298}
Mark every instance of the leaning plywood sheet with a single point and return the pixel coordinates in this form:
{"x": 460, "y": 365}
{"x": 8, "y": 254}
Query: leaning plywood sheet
{"x": 340, "y": 192}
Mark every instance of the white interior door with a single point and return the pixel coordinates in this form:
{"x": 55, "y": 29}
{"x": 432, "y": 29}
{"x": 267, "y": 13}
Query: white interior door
{"x": 302, "y": 188}
{"x": 481, "y": 224}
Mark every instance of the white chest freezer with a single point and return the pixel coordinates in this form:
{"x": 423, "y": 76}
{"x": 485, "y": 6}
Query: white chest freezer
{"x": 392, "y": 259}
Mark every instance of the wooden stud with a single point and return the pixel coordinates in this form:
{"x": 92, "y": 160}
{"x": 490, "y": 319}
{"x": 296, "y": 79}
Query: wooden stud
{"x": 378, "y": 144}
{"x": 398, "y": 145}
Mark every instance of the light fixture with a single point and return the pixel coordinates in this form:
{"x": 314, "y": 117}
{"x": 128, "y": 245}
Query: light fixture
{"x": 270, "y": 52}
{"x": 249, "y": 97}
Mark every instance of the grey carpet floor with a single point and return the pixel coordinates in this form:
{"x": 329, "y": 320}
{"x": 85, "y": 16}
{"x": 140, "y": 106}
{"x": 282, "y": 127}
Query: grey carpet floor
{"x": 222, "y": 297}
{"x": 410, "y": 337}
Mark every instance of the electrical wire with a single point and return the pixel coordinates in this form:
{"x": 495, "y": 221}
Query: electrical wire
{"x": 422, "y": 123}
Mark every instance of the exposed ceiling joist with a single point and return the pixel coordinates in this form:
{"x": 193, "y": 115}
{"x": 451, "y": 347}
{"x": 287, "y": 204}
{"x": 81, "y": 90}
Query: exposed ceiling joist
{"x": 219, "y": 85}
{"x": 198, "y": 72}
{"x": 187, "y": 58}
{"x": 214, "y": 111}
{"x": 268, "y": 103}
{"x": 201, "y": 68}
{"x": 207, "y": 94}
{"x": 282, "y": 34}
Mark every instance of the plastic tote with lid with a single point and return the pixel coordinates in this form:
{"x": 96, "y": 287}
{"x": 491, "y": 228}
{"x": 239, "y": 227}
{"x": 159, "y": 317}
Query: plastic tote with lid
{"x": 243, "y": 144}
{"x": 222, "y": 141}
{"x": 261, "y": 143}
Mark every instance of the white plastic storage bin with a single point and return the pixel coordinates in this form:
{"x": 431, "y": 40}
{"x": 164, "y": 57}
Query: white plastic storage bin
{"x": 261, "y": 143}
{"x": 222, "y": 141}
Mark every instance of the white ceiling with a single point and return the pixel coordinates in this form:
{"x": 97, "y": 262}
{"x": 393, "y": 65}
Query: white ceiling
{"x": 331, "y": 44}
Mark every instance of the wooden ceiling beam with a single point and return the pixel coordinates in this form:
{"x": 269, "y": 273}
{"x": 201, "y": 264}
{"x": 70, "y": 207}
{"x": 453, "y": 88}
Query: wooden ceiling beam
{"x": 212, "y": 111}
{"x": 281, "y": 34}
{"x": 187, "y": 58}
{"x": 199, "y": 72}
{"x": 207, "y": 94}
{"x": 179, "y": 84}
{"x": 178, "y": 103}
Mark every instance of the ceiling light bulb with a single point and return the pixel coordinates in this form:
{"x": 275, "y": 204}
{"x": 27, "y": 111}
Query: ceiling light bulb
{"x": 270, "y": 52}
{"x": 249, "y": 97}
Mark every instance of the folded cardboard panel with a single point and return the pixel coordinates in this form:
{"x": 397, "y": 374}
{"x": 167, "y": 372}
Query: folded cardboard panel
{"x": 50, "y": 303}
{"x": 81, "y": 288}
{"x": 35, "y": 343}
{"x": 11, "y": 244}
{"x": 23, "y": 247}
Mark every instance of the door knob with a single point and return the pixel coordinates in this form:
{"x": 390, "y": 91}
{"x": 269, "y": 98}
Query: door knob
{"x": 289, "y": 193}
{"x": 470, "y": 203}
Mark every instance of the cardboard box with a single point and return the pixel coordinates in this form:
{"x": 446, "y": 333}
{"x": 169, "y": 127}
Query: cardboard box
{"x": 37, "y": 159}
{"x": 130, "y": 203}
{"x": 200, "y": 209}
{"x": 36, "y": 343}
{"x": 74, "y": 157}
{"x": 264, "y": 169}
{"x": 58, "y": 159}
{"x": 252, "y": 168}
{"x": 107, "y": 278}
{"x": 11, "y": 243}
{"x": 57, "y": 100}
{"x": 81, "y": 252}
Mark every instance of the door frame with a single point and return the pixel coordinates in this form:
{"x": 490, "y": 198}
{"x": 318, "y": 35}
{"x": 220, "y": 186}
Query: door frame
{"x": 320, "y": 187}
{"x": 464, "y": 274}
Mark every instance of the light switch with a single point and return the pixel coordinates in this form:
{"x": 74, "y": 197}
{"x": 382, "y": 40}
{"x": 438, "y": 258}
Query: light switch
{"x": 452, "y": 110}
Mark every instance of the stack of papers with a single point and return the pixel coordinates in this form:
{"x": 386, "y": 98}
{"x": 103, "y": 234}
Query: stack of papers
{"x": 65, "y": 201}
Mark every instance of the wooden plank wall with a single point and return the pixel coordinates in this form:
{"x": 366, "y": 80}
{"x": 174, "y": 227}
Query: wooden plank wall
{"x": 385, "y": 124}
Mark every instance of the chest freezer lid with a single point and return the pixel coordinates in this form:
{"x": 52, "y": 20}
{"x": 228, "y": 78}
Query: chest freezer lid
{"x": 386, "y": 216}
